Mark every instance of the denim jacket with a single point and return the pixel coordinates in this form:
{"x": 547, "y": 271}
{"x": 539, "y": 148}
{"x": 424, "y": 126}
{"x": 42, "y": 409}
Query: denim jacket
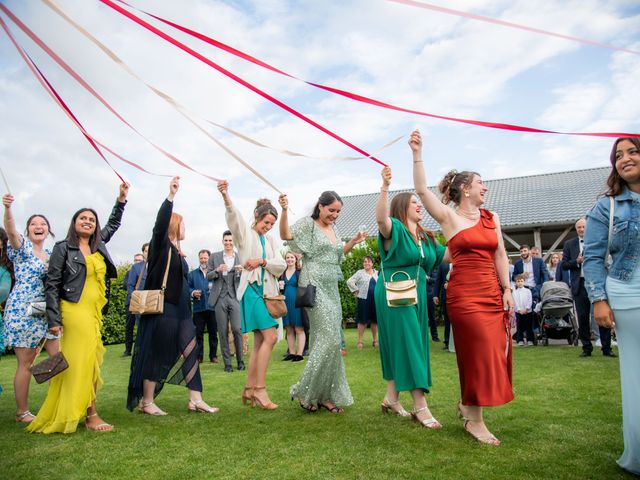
{"x": 625, "y": 243}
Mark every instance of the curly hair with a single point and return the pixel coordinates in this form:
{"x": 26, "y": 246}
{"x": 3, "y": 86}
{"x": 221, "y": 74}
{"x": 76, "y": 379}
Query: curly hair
{"x": 451, "y": 185}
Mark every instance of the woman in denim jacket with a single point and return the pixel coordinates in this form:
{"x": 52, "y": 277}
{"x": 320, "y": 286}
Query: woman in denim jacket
{"x": 614, "y": 293}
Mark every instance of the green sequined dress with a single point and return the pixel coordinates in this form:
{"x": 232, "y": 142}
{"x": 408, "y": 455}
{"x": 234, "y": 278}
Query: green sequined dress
{"x": 324, "y": 378}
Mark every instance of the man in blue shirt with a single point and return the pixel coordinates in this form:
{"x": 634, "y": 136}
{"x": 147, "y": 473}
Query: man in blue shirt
{"x": 203, "y": 314}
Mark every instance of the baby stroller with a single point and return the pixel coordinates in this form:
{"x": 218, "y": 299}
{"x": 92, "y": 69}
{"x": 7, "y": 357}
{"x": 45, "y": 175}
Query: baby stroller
{"x": 557, "y": 319}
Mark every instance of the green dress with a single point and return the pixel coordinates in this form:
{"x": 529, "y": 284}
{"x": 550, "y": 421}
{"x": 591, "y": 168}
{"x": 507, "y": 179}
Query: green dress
{"x": 253, "y": 312}
{"x": 404, "y": 331}
{"x": 324, "y": 378}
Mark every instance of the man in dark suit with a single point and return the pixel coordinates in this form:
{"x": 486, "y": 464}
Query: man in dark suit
{"x": 440, "y": 298}
{"x": 572, "y": 258}
{"x": 224, "y": 272}
{"x": 130, "y": 281}
{"x": 534, "y": 270}
{"x": 203, "y": 315}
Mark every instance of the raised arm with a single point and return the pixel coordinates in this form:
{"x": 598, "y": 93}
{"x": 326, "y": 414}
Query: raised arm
{"x": 15, "y": 239}
{"x": 116, "y": 214}
{"x": 382, "y": 207}
{"x": 285, "y": 231}
{"x": 234, "y": 219}
{"x": 434, "y": 206}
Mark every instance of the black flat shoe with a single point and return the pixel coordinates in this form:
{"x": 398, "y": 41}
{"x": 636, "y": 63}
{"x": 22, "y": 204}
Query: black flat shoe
{"x": 288, "y": 357}
{"x": 609, "y": 354}
{"x": 585, "y": 354}
{"x": 297, "y": 358}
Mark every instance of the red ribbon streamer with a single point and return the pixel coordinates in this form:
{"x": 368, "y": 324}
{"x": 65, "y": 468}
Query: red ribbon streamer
{"x": 60, "y": 102}
{"x": 367, "y": 100}
{"x": 503, "y": 23}
{"x": 95, "y": 94}
{"x": 236, "y": 78}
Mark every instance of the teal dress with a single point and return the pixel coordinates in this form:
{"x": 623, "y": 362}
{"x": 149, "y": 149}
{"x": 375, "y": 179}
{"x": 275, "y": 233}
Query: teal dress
{"x": 404, "y": 331}
{"x": 253, "y": 312}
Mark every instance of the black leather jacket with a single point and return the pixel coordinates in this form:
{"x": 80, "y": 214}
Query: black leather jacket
{"x": 67, "y": 270}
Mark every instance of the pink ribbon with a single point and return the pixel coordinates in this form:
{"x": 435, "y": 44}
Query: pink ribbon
{"x": 355, "y": 96}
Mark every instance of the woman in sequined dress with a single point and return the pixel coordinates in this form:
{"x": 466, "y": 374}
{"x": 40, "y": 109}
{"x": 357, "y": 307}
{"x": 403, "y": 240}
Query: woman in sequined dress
{"x": 323, "y": 383}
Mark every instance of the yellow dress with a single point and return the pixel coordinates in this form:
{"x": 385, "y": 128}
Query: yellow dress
{"x": 72, "y": 391}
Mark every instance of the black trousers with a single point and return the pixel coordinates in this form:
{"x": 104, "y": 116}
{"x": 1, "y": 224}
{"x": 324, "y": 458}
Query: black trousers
{"x": 583, "y": 307}
{"x": 130, "y": 323}
{"x": 524, "y": 327}
{"x": 431, "y": 311}
{"x": 202, "y": 320}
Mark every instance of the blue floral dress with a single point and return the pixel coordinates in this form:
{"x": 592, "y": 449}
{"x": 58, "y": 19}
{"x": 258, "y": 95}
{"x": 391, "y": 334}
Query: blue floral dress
{"x": 21, "y": 330}
{"x": 5, "y": 287}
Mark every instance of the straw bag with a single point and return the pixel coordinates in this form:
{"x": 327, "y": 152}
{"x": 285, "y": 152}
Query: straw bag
{"x": 49, "y": 367}
{"x": 149, "y": 302}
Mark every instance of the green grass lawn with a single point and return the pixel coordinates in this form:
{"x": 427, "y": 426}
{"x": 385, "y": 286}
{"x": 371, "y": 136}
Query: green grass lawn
{"x": 564, "y": 423}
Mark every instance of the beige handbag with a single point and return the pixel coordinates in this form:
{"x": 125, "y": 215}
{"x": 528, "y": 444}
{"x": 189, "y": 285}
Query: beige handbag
{"x": 149, "y": 302}
{"x": 401, "y": 293}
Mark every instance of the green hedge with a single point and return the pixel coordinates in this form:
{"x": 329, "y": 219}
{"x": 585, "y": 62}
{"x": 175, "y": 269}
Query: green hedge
{"x": 114, "y": 321}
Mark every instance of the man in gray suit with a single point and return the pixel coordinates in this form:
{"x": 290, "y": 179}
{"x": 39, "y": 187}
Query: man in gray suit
{"x": 224, "y": 273}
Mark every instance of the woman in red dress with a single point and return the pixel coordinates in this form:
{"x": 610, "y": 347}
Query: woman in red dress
{"x": 479, "y": 298}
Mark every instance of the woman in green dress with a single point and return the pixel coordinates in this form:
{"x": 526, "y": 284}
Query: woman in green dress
{"x": 405, "y": 246}
{"x": 323, "y": 383}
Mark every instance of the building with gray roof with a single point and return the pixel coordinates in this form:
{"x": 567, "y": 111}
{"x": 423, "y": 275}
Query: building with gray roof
{"x": 537, "y": 210}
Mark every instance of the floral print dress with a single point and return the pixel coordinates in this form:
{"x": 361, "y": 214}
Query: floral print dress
{"x": 21, "y": 330}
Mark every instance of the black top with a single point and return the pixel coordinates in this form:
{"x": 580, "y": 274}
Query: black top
{"x": 157, "y": 259}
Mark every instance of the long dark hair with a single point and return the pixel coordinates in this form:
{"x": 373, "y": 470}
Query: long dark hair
{"x": 326, "y": 198}
{"x": 4, "y": 258}
{"x": 72, "y": 236}
{"x": 451, "y": 185}
{"x": 46, "y": 220}
{"x": 615, "y": 182}
{"x": 398, "y": 209}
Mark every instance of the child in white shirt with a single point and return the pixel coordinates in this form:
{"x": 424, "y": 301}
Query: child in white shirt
{"x": 524, "y": 315}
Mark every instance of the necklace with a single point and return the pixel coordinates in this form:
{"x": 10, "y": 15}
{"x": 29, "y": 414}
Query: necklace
{"x": 466, "y": 214}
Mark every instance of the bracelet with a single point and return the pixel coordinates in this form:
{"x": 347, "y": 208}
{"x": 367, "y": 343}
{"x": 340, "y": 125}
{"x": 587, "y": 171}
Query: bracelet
{"x": 508, "y": 287}
{"x": 418, "y": 161}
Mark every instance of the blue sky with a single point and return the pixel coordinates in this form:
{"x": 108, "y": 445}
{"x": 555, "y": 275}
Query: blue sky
{"x": 403, "y": 55}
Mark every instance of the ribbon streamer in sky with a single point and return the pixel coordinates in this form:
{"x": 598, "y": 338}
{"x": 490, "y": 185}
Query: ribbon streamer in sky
{"x": 367, "y": 100}
{"x": 95, "y": 94}
{"x": 236, "y": 78}
{"x": 183, "y": 110}
{"x": 495, "y": 21}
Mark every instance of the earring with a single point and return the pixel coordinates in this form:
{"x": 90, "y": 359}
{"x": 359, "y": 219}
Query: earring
{"x": 466, "y": 194}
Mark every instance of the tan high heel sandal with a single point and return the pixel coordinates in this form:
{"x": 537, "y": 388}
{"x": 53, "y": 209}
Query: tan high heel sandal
{"x": 269, "y": 405}
{"x": 247, "y": 396}
{"x": 430, "y": 423}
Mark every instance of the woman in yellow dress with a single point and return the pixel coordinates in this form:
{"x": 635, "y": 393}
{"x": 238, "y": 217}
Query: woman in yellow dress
{"x": 75, "y": 291}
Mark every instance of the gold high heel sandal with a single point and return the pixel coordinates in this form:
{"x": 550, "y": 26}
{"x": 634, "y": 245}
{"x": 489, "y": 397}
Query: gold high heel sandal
{"x": 387, "y": 406}
{"x": 489, "y": 439}
{"x": 268, "y": 405}
{"x": 197, "y": 407}
{"x": 430, "y": 423}
{"x": 142, "y": 408}
{"x": 247, "y": 396}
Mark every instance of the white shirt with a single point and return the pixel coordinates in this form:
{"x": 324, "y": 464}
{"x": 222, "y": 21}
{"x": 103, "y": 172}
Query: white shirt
{"x": 522, "y": 299}
{"x": 581, "y": 254}
{"x": 229, "y": 261}
{"x": 527, "y": 267}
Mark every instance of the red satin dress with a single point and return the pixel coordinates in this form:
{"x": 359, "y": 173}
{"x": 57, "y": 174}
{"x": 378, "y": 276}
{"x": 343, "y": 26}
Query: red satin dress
{"x": 480, "y": 324}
